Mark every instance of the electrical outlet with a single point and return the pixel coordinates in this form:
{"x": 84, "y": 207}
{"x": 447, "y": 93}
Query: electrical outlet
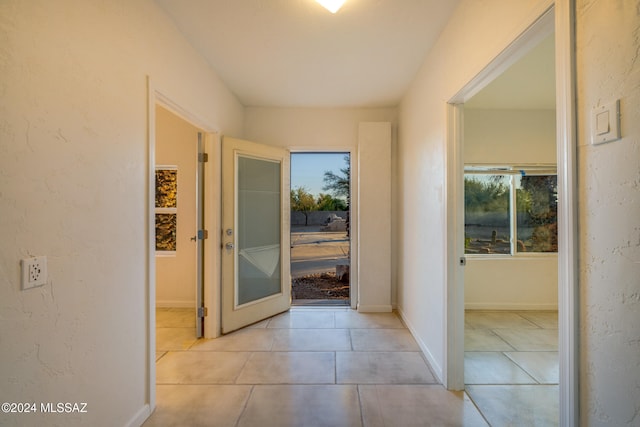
{"x": 34, "y": 272}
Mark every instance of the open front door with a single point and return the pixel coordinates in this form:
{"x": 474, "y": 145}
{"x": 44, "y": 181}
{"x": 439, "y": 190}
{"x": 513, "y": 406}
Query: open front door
{"x": 256, "y": 280}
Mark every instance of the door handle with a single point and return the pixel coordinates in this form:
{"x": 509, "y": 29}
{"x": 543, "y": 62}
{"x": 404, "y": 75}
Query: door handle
{"x": 229, "y": 246}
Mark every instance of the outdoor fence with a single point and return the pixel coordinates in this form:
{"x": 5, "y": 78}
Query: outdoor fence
{"x": 315, "y": 217}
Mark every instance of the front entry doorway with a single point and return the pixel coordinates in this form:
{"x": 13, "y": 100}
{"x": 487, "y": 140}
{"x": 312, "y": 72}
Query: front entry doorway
{"x": 320, "y": 232}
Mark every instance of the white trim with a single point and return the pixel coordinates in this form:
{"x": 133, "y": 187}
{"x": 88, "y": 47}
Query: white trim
{"x": 561, "y": 15}
{"x": 212, "y": 222}
{"x": 567, "y": 214}
{"x": 162, "y": 99}
{"x": 150, "y": 284}
{"x": 453, "y": 369}
{"x": 436, "y": 368}
{"x": 140, "y": 416}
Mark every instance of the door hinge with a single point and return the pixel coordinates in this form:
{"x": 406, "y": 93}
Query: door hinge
{"x": 203, "y": 157}
{"x": 202, "y": 311}
{"x": 203, "y": 234}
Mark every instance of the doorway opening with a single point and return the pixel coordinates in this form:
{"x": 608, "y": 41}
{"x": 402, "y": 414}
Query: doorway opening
{"x": 177, "y": 201}
{"x": 556, "y": 19}
{"x": 511, "y": 243}
{"x": 320, "y": 232}
{"x": 511, "y": 238}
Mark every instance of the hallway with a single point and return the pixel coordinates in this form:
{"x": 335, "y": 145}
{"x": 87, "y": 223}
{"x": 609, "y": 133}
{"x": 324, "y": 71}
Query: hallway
{"x": 307, "y": 367}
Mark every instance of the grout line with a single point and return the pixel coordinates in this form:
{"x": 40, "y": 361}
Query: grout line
{"x": 244, "y": 406}
{"x": 360, "y": 405}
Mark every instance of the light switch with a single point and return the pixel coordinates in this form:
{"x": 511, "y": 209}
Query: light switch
{"x": 602, "y": 123}
{"x": 605, "y": 123}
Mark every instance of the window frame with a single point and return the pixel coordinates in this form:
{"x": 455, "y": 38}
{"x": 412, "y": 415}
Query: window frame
{"x": 512, "y": 171}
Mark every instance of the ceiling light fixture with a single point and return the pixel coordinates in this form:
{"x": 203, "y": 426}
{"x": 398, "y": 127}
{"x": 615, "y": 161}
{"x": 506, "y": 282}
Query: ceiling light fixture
{"x": 331, "y": 5}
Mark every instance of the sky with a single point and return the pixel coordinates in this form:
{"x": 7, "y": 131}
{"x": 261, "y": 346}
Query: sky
{"x": 307, "y": 169}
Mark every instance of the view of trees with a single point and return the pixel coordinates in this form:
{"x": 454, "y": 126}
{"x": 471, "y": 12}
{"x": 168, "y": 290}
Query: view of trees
{"x": 486, "y": 195}
{"x": 336, "y": 199}
{"x": 303, "y": 201}
{"x": 339, "y": 184}
{"x": 488, "y": 216}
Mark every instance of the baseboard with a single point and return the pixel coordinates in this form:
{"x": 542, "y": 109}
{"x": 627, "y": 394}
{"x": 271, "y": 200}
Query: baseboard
{"x": 140, "y": 417}
{"x": 511, "y": 306}
{"x": 435, "y": 367}
{"x": 175, "y": 303}
{"x": 375, "y": 308}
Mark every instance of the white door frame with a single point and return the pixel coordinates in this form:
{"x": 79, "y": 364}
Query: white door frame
{"x": 353, "y": 213}
{"x": 157, "y": 96}
{"x": 559, "y": 17}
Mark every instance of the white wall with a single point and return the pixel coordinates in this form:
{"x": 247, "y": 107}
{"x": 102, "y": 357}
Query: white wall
{"x": 73, "y": 187}
{"x": 511, "y": 283}
{"x": 304, "y": 128}
{"x": 323, "y": 129}
{"x": 476, "y": 33}
{"x": 177, "y": 144}
{"x": 374, "y": 221}
{"x": 608, "y": 68}
{"x": 510, "y": 137}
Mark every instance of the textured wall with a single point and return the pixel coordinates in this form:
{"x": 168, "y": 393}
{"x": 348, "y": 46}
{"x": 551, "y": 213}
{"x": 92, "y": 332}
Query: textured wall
{"x": 73, "y": 187}
{"x": 608, "y": 68}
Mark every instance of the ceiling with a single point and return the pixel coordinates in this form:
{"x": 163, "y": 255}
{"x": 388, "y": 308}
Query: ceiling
{"x": 294, "y": 53}
{"x": 529, "y": 83}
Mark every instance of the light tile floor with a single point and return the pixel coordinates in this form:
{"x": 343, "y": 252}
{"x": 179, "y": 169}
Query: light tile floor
{"x": 511, "y": 366}
{"x": 307, "y": 367}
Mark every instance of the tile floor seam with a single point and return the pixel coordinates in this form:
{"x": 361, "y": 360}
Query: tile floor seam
{"x": 244, "y": 406}
{"x": 360, "y": 405}
{"x": 477, "y": 407}
{"x": 526, "y": 370}
{"x": 361, "y": 392}
{"x": 493, "y": 331}
{"x": 244, "y": 365}
{"x": 523, "y": 368}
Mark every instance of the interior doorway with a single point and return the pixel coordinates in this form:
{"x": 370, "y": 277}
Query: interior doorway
{"x": 320, "y": 228}
{"x": 178, "y": 204}
{"x": 511, "y": 245}
{"x": 557, "y": 19}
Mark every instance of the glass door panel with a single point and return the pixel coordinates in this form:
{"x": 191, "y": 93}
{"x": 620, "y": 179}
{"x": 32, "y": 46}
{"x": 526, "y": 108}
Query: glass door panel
{"x": 258, "y": 229}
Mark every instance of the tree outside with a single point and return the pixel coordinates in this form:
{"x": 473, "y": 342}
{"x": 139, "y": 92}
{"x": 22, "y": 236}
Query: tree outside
{"x": 303, "y": 201}
{"x": 340, "y": 186}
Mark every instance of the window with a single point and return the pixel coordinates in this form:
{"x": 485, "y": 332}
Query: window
{"x": 510, "y": 210}
{"x": 166, "y": 209}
